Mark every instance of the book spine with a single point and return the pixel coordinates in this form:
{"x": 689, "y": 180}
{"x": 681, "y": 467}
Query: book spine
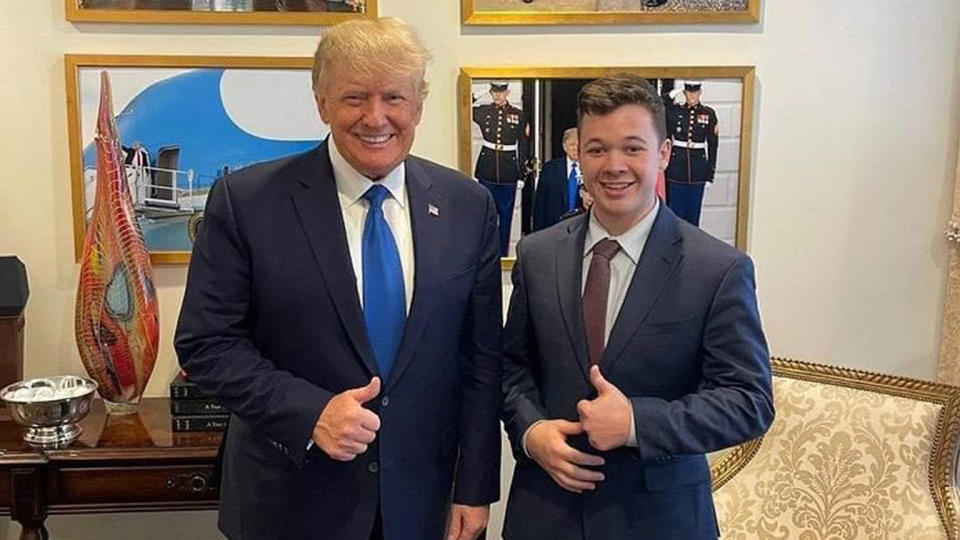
{"x": 185, "y": 391}
{"x": 200, "y": 423}
{"x": 197, "y": 406}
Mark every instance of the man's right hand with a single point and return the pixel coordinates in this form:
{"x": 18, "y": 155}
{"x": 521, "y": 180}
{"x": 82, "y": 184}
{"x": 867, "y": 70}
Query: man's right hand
{"x": 345, "y": 428}
{"x": 547, "y": 445}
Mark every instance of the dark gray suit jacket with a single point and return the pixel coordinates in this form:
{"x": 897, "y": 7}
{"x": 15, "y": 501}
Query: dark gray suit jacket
{"x": 688, "y": 350}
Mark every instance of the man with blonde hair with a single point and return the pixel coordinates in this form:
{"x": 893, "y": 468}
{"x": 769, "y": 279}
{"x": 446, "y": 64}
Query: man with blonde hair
{"x": 344, "y": 304}
{"x": 558, "y": 187}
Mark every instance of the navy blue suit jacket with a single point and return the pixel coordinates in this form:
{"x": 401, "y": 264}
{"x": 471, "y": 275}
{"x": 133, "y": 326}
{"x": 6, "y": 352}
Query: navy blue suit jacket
{"x": 272, "y": 327}
{"x": 688, "y": 350}
{"x": 552, "y": 194}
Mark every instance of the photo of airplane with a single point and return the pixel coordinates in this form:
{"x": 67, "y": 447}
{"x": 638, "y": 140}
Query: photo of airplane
{"x": 183, "y": 129}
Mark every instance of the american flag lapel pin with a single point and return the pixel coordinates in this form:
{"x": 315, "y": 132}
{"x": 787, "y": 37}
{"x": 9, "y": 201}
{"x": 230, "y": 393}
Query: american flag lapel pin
{"x": 433, "y": 210}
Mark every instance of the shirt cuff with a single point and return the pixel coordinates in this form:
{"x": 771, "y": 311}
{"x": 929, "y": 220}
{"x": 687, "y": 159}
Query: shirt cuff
{"x": 523, "y": 440}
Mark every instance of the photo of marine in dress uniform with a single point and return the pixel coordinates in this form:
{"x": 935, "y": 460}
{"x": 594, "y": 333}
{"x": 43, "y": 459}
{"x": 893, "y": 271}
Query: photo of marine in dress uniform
{"x": 503, "y": 152}
{"x": 693, "y": 128}
{"x": 702, "y": 184}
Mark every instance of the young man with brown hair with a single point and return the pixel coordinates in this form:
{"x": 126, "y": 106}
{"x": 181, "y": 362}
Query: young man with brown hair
{"x": 633, "y": 347}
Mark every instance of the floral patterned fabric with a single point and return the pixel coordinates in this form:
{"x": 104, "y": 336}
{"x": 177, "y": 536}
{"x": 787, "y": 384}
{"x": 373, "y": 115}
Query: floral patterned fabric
{"x": 838, "y": 463}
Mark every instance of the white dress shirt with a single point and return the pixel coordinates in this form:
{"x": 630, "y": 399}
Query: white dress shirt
{"x": 622, "y": 267}
{"x": 351, "y": 185}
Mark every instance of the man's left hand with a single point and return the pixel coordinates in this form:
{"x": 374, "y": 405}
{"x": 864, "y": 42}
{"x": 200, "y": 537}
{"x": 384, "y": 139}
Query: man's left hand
{"x": 467, "y": 522}
{"x": 605, "y": 418}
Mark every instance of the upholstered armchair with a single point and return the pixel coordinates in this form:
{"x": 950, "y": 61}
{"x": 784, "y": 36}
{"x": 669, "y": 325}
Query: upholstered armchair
{"x": 850, "y": 455}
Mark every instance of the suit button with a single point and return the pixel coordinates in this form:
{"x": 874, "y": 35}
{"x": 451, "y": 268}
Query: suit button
{"x": 384, "y": 401}
{"x": 373, "y": 467}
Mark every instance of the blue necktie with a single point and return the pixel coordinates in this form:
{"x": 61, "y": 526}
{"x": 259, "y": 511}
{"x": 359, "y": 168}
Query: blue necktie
{"x": 572, "y": 187}
{"x": 384, "y": 302}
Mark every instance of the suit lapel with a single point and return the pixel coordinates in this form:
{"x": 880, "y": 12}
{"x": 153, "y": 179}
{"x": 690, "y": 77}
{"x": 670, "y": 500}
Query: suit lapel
{"x": 569, "y": 268}
{"x": 660, "y": 258}
{"x": 318, "y": 208}
{"x": 427, "y": 229}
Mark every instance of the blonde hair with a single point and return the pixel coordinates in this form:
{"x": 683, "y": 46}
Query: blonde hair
{"x": 385, "y": 46}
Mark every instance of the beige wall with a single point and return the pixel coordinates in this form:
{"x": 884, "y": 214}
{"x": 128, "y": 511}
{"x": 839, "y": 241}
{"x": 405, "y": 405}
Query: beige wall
{"x": 857, "y": 114}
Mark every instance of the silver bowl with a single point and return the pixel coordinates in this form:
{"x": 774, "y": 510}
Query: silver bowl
{"x": 50, "y": 407}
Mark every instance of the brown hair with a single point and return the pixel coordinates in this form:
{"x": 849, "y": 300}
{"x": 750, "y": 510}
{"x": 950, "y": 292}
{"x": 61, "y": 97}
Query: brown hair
{"x": 607, "y": 94}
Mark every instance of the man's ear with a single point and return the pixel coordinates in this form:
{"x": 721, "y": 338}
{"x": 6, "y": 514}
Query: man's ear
{"x": 664, "y": 152}
{"x": 321, "y": 102}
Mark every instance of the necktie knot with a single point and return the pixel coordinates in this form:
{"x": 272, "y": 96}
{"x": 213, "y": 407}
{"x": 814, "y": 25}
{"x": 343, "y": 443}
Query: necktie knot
{"x": 375, "y": 195}
{"x": 606, "y": 248}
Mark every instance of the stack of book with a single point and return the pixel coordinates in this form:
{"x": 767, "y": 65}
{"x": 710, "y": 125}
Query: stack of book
{"x": 192, "y": 410}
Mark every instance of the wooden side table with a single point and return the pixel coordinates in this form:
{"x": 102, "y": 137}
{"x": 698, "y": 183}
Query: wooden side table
{"x": 119, "y": 464}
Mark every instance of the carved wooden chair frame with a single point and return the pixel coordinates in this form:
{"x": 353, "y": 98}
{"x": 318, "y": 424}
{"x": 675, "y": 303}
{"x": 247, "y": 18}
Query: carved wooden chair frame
{"x": 942, "y": 472}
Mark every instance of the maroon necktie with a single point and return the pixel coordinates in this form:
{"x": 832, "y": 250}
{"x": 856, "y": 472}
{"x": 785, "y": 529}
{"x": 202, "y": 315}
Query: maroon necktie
{"x": 595, "y": 297}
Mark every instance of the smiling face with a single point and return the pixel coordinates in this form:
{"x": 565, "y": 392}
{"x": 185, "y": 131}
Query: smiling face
{"x": 621, "y": 155}
{"x": 372, "y": 118}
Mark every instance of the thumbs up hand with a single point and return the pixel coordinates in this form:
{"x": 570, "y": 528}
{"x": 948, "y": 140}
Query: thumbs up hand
{"x": 365, "y": 393}
{"x": 345, "y": 429}
{"x": 606, "y": 418}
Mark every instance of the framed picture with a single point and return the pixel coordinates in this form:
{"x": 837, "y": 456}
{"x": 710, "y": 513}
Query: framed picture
{"x": 514, "y": 12}
{"x": 301, "y": 12}
{"x": 517, "y": 128}
{"x": 184, "y": 122}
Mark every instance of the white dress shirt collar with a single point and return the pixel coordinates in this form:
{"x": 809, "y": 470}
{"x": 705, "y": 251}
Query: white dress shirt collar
{"x": 352, "y": 185}
{"x": 631, "y": 242}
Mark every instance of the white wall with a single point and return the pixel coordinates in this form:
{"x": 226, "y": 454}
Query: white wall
{"x": 719, "y": 214}
{"x": 855, "y": 144}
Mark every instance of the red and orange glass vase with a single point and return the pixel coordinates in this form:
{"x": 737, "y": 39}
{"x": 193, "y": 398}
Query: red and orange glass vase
{"x": 117, "y": 324}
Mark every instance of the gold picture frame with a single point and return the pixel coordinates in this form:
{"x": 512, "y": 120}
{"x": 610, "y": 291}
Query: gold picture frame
{"x": 187, "y": 207}
{"x": 745, "y": 75}
{"x": 77, "y": 13}
{"x": 472, "y": 15}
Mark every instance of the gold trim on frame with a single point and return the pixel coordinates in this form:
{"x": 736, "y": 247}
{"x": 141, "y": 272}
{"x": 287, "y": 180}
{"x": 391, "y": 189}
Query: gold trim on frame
{"x": 732, "y": 462}
{"x": 941, "y": 474}
{"x": 471, "y": 16}
{"x": 745, "y": 73}
{"x": 307, "y": 18}
{"x": 72, "y": 65}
